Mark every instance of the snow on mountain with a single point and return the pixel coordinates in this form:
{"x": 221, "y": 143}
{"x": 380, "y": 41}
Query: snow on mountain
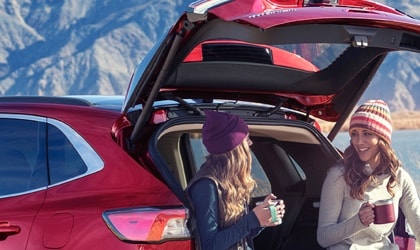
{"x": 92, "y": 47}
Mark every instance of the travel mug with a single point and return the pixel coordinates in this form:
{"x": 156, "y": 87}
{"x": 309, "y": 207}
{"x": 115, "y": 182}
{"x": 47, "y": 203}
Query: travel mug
{"x": 273, "y": 211}
{"x": 384, "y": 212}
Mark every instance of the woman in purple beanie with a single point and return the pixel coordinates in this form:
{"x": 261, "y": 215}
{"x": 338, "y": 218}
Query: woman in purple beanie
{"x": 363, "y": 193}
{"x": 221, "y": 189}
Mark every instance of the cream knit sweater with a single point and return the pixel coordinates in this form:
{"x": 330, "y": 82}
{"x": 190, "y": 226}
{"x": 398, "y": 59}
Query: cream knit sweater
{"x": 339, "y": 226}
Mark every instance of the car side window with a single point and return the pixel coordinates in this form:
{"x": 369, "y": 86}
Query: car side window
{"x": 63, "y": 160}
{"x": 22, "y": 156}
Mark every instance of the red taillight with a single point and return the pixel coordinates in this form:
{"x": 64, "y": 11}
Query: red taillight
{"x": 150, "y": 224}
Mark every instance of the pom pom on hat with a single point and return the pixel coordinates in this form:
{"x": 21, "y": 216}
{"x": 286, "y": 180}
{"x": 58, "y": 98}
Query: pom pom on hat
{"x": 375, "y": 116}
{"x": 222, "y": 132}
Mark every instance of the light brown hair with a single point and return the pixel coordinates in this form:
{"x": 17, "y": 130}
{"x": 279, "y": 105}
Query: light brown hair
{"x": 358, "y": 180}
{"x": 232, "y": 170}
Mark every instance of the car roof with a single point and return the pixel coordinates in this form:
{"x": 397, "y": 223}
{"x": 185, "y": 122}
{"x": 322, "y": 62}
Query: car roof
{"x": 249, "y": 50}
{"x": 100, "y": 101}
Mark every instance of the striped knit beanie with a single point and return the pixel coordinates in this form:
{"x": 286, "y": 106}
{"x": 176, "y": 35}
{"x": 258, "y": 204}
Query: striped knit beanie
{"x": 375, "y": 116}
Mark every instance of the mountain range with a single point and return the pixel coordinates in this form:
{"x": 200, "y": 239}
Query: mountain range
{"x": 54, "y": 48}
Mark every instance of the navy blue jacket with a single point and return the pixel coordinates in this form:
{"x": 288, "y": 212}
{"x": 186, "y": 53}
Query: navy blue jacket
{"x": 203, "y": 195}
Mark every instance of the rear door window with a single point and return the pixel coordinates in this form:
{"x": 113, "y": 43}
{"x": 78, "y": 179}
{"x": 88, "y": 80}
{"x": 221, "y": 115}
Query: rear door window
{"x": 22, "y": 156}
{"x": 36, "y": 152}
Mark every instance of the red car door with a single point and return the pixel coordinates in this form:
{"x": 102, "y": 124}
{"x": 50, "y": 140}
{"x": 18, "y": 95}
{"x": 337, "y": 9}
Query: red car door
{"x": 16, "y": 216}
{"x": 23, "y": 177}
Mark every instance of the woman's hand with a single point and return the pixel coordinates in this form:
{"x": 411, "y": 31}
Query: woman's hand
{"x": 366, "y": 214}
{"x": 263, "y": 213}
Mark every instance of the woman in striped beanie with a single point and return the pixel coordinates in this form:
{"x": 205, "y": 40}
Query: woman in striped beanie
{"x": 369, "y": 174}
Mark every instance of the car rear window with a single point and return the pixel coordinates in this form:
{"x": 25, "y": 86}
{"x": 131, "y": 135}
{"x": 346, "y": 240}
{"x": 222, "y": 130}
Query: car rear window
{"x": 319, "y": 54}
{"x": 302, "y": 56}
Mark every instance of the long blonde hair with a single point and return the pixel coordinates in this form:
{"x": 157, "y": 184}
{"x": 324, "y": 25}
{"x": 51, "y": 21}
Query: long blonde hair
{"x": 358, "y": 180}
{"x": 232, "y": 170}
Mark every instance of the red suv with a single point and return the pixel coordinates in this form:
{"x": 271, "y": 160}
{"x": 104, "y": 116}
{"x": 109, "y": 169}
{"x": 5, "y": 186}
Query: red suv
{"x": 91, "y": 172}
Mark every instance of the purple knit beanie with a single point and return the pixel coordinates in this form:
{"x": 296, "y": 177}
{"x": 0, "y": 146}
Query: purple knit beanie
{"x": 222, "y": 132}
{"x": 375, "y": 116}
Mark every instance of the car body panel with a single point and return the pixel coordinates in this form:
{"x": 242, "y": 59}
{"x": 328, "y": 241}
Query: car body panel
{"x": 19, "y": 211}
{"x": 266, "y": 14}
{"x": 64, "y": 213}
